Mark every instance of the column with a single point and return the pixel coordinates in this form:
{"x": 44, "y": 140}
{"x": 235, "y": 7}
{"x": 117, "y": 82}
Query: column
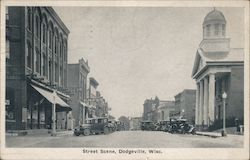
{"x": 201, "y": 102}
{"x": 211, "y": 99}
{"x": 205, "y": 113}
{"x": 197, "y": 104}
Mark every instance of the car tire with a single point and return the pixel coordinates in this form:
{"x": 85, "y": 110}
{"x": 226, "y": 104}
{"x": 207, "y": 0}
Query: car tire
{"x": 106, "y": 130}
{"x": 77, "y": 134}
{"x": 86, "y": 132}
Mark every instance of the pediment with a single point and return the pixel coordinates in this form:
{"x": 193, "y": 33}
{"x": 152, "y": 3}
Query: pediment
{"x": 199, "y": 62}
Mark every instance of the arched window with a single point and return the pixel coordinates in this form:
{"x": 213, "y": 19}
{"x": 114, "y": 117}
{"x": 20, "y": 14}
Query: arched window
{"x": 208, "y": 30}
{"x": 223, "y": 29}
{"x": 50, "y": 39}
{"x": 29, "y": 16}
{"x": 216, "y": 29}
{"x": 44, "y": 33}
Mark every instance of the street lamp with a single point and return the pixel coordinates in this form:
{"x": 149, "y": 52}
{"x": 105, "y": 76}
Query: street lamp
{"x": 54, "y": 114}
{"x": 224, "y": 133}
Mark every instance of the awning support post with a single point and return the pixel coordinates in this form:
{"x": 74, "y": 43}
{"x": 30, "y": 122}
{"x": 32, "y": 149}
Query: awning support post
{"x": 54, "y": 115}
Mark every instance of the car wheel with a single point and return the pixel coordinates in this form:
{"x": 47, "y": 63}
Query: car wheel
{"x": 77, "y": 133}
{"x": 106, "y": 130}
{"x": 86, "y": 132}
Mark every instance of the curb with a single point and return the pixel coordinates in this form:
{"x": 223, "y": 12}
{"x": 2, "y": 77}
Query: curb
{"x": 208, "y": 135}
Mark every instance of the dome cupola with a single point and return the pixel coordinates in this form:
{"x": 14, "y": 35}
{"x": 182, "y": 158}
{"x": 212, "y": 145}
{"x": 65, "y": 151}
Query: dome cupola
{"x": 214, "y": 25}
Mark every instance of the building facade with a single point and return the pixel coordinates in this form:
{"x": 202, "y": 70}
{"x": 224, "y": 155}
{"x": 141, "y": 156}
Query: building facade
{"x": 185, "y": 104}
{"x": 36, "y": 67}
{"x": 77, "y": 84}
{"x": 218, "y": 69}
{"x": 164, "y": 110}
{"x": 156, "y": 110}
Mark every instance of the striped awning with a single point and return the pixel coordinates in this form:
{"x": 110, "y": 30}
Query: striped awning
{"x": 52, "y": 98}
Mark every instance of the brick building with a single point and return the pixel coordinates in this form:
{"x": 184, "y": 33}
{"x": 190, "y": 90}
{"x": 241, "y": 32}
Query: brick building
{"x": 77, "y": 84}
{"x": 36, "y": 66}
{"x": 218, "y": 69}
{"x": 185, "y": 104}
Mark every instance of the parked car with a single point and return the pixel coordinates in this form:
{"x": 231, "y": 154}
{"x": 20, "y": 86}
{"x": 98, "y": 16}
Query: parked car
{"x": 120, "y": 126}
{"x": 112, "y": 125}
{"x": 164, "y": 125}
{"x": 181, "y": 126}
{"x": 93, "y": 126}
{"x": 147, "y": 126}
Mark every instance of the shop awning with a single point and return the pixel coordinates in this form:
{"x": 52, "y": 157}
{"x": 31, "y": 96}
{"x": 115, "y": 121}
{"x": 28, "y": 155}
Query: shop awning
{"x": 49, "y": 96}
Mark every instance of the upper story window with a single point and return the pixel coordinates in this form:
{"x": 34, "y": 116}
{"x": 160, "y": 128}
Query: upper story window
{"x": 208, "y": 30}
{"x": 37, "y": 27}
{"x": 7, "y": 49}
{"x": 29, "y": 16}
{"x": 223, "y": 29}
{"x": 44, "y": 33}
{"x": 216, "y": 29}
{"x": 38, "y": 62}
{"x": 7, "y": 15}
{"x": 29, "y": 56}
{"x": 50, "y": 39}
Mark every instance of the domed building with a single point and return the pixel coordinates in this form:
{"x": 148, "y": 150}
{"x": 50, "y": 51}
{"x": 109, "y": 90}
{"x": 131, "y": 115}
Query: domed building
{"x": 218, "y": 69}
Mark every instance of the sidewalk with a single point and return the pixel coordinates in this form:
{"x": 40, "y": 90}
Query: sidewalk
{"x": 209, "y": 134}
{"x": 40, "y": 132}
{"x": 215, "y": 134}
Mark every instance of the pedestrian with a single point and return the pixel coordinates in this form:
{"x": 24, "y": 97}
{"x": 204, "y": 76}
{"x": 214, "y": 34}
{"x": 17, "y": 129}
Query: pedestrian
{"x": 237, "y": 125}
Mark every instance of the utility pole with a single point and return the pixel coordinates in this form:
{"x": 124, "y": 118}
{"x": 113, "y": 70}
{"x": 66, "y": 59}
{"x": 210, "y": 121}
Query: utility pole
{"x": 54, "y": 114}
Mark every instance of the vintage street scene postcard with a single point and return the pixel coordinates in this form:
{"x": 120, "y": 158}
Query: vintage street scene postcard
{"x": 124, "y": 79}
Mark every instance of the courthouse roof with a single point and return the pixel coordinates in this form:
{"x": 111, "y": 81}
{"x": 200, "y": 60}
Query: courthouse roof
{"x": 235, "y": 55}
{"x": 214, "y": 15}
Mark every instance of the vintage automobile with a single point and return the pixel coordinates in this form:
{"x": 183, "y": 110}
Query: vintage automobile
{"x": 112, "y": 125}
{"x": 93, "y": 126}
{"x": 181, "y": 126}
{"x": 120, "y": 126}
{"x": 147, "y": 126}
{"x": 164, "y": 125}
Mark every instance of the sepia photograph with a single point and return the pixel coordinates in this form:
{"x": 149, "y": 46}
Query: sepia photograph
{"x": 124, "y": 80}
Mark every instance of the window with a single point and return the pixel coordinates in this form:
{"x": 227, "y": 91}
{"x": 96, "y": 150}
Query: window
{"x": 216, "y": 29}
{"x": 44, "y": 64}
{"x": 223, "y": 29}
{"x": 44, "y": 33}
{"x": 7, "y": 49}
{"x": 29, "y": 56}
{"x": 29, "y": 19}
{"x": 37, "y": 27}
{"x": 56, "y": 72}
{"x": 7, "y": 15}
{"x": 38, "y": 62}
{"x": 50, "y": 39}
{"x": 50, "y": 71}
{"x": 208, "y": 30}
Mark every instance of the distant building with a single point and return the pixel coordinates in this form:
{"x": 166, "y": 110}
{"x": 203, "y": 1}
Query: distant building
{"x": 36, "y": 66}
{"x": 165, "y": 109}
{"x": 77, "y": 84}
{"x": 93, "y": 97}
{"x": 185, "y": 104}
{"x": 135, "y": 123}
{"x": 218, "y": 69}
{"x": 156, "y": 110}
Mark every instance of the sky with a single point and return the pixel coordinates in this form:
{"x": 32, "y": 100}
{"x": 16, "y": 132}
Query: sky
{"x": 137, "y": 53}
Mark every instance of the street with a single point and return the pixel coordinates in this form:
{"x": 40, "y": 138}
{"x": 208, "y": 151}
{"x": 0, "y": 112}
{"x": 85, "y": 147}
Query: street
{"x": 126, "y": 139}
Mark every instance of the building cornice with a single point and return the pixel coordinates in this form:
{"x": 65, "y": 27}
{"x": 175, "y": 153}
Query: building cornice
{"x": 58, "y": 20}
